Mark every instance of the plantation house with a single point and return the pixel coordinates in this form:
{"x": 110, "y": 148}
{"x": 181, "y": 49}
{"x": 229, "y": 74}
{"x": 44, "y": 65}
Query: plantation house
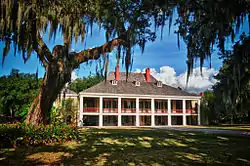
{"x": 140, "y": 100}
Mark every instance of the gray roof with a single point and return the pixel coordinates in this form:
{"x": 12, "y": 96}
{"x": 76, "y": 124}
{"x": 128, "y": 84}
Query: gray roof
{"x": 145, "y": 88}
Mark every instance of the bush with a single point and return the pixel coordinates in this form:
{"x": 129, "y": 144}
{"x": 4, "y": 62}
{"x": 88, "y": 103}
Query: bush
{"x": 22, "y": 134}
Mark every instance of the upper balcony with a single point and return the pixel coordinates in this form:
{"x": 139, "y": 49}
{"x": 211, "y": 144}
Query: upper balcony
{"x": 128, "y": 105}
{"x": 110, "y": 105}
{"x": 161, "y": 106}
{"x": 145, "y": 106}
{"x": 90, "y": 105}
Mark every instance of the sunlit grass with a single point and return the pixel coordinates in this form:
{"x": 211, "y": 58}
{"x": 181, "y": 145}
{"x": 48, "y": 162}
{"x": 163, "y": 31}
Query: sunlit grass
{"x": 224, "y": 127}
{"x": 114, "y": 146}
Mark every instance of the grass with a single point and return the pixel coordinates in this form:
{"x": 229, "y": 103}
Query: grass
{"x": 224, "y": 127}
{"x": 135, "y": 147}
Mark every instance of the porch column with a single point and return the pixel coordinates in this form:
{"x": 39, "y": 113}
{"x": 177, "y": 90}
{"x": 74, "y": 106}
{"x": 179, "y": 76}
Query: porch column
{"x": 199, "y": 112}
{"x": 119, "y": 111}
{"x": 184, "y": 119}
{"x": 100, "y": 111}
{"x": 137, "y": 113}
{"x": 169, "y": 113}
{"x": 80, "y": 123}
{"x": 152, "y": 112}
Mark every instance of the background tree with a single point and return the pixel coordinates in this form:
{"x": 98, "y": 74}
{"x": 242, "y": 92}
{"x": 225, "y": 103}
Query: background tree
{"x": 17, "y": 91}
{"x": 81, "y": 84}
{"x": 234, "y": 78}
{"x": 205, "y": 24}
{"x": 229, "y": 100}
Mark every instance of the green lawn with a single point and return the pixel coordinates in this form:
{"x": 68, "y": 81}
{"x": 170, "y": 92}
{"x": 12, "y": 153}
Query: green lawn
{"x": 225, "y": 127}
{"x": 135, "y": 147}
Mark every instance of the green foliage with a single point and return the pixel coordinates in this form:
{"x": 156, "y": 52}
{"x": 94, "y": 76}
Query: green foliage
{"x": 67, "y": 111}
{"x": 22, "y": 134}
{"x": 127, "y": 19}
{"x": 54, "y": 114}
{"x": 81, "y": 84}
{"x": 202, "y": 24}
{"x": 234, "y": 78}
{"x": 229, "y": 101}
{"x": 212, "y": 109}
{"x": 24, "y": 112}
{"x": 17, "y": 91}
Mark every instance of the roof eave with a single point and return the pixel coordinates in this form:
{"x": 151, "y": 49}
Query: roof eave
{"x": 138, "y": 95}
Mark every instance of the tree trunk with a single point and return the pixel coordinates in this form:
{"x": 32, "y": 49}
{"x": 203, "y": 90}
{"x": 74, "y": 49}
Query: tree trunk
{"x": 58, "y": 73}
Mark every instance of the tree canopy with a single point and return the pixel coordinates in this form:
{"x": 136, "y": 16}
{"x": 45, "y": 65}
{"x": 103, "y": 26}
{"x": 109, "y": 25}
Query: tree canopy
{"x": 81, "y": 84}
{"x": 229, "y": 100}
{"x": 127, "y": 23}
{"x": 17, "y": 91}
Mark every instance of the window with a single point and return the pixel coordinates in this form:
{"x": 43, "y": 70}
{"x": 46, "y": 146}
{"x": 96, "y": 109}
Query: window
{"x": 137, "y": 83}
{"x": 125, "y": 104}
{"x": 156, "y": 105}
{"x": 115, "y": 104}
{"x": 110, "y": 120}
{"x": 159, "y": 84}
{"x": 178, "y": 104}
{"x": 107, "y": 103}
{"x": 114, "y": 82}
{"x": 128, "y": 120}
{"x": 146, "y": 104}
{"x": 145, "y": 120}
{"x": 161, "y": 120}
{"x": 166, "y": 104}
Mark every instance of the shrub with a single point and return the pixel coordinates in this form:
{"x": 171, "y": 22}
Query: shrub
{"x": 22, "y": 134}
{"x": 24, "y": 112}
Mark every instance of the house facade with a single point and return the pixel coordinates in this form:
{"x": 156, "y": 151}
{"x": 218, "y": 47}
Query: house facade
{"x": 137, "y": 100}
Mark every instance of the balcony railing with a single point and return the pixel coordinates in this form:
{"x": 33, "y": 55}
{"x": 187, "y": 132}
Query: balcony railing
{"x": 177, "y": 111}
{"x": 145, "y": 110}
{"x": 91, "y": 109}
{"x": 110, "y": 110}
{"x": 128, "y": 110}
{"x": 191, "y": 111}
{"x": 161, "y": 111}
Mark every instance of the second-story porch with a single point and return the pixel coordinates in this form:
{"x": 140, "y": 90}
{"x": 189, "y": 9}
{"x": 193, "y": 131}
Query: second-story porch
{"x": 129, "y": 111}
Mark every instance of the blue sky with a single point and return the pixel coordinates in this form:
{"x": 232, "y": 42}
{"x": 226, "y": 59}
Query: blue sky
{"x": 160, "y": 53}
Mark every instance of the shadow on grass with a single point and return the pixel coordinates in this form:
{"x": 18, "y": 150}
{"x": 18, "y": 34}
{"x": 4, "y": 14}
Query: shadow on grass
{"x": 135, "y": 147}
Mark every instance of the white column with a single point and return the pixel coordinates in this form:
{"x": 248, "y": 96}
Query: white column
{"x": 152, "y": 112}
{"x": 169, "y": 112}
{"x": 100, "y": 111}
{"x": 137, "y": 113}
{"x": 119, "y": 111}
{"x": 80, "y": 123}
{"x": 199, "y": 112}
{"x": 184, "y": 119}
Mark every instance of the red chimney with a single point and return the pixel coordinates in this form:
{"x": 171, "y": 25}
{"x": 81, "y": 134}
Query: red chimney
{"x": 117, "y": 73}
{"x": 148, "y": 75}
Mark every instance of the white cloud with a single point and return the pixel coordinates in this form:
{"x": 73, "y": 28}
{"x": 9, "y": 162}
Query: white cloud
{"x": 74, "y": 76}
{"x": 197, "y": 82}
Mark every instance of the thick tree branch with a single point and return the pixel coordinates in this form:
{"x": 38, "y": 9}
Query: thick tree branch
{"x": 42, "y": 49}
{"x": 95, "y": 53}
{"x": 41, "y": 56}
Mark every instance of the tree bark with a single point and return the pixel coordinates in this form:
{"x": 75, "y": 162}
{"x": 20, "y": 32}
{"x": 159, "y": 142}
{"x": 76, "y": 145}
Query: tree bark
{"x": 58, "y": 73}
{"x": 58, "y": 68}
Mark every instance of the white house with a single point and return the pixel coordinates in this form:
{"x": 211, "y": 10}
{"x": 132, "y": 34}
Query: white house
{"x": 137, "y": 100}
